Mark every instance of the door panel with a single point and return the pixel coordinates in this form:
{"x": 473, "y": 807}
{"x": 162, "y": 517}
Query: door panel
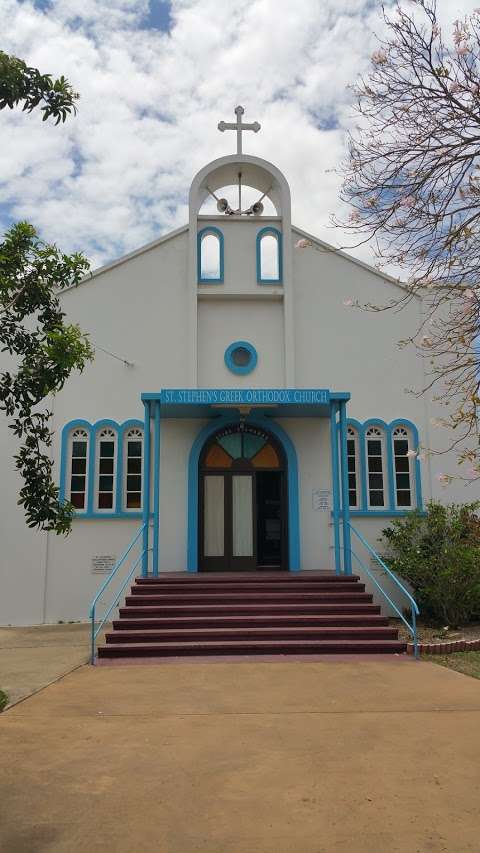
{"x": 242, "y": 515}
{"x": 214, "y": 515}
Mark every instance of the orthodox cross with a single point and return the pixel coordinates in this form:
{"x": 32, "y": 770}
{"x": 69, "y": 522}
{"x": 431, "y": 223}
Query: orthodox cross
{"x": 239, "y": 127}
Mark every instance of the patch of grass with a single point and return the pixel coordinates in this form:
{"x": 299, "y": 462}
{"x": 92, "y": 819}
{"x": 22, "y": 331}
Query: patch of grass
{"x": 3, "y": 700}
{"x": 466, "y": 662}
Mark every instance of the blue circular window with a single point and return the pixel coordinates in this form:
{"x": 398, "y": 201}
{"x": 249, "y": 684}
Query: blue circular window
{"x": 241, "y": 357}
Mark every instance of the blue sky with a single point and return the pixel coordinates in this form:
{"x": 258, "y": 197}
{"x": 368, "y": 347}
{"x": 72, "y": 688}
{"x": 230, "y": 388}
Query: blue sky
{"x": 155, "y": 78}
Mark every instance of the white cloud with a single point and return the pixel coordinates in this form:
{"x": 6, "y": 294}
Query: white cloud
{"x": 118, "y": 174}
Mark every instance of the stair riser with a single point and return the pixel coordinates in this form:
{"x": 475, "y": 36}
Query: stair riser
{"x": 261, "y": 598}
{"x": 253, "y": 578}
{"x": 254, "y": 634}
{"x": 354, "y": 648}
{"x": 127, "y": 624}
{"x": 264, "y": 590}
{"x": 252, "y": 609}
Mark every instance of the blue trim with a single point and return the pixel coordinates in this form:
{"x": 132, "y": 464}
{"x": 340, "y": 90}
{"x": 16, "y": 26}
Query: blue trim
{"x": 347, "y": 546}
{"x": 211, "y": 229}
{"x": 389, "y": 475}
{"x": 235, "y": 368}
{"x": 146, "y": 488}
{"x": 336, "y": 496}
{"x": 278, "y": 234}
{"x": 384, "y": 513}
{"x": 156, "y": 489}
{"x": 93, "y": 429}
{"x": 292, "y": 479}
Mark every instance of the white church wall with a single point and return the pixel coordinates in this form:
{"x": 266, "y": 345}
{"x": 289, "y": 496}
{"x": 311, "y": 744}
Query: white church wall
{"x": 137, "y": 311}
{"x": 23, "y": 551}
{"x": 220, "y": 323}
{"x": 177, "y": 437}
{"x": 310, "y": 437}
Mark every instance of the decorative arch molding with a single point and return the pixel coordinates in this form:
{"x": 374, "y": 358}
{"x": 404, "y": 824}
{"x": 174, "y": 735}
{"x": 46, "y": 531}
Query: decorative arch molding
{"x": 387, "y": 430}
{"x": 269, "y": 231}
{"x": 292, "y": 479}
{"x": 93, "y": 431}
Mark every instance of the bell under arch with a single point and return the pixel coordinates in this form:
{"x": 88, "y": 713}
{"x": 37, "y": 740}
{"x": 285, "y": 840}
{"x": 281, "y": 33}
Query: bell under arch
{"x": 255, "y": 172}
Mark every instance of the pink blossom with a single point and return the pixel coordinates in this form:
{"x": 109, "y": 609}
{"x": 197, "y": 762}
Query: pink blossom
{"x": 469, "y": 294}
{"x": 354, "y": 216}
{"x": 408, "y": 201}
{"x": 473, "y": 473}
{"x": 303, "y": 244}
{"x": 379, "y": 57}
{"x": 412, "y": 454}
{"x": 426, "y": 341}
{"x": 463, "y": 49}
{"x": 455, "y": 87}
{"x": 348, "y": 303}
{"x": 444, "y": 479}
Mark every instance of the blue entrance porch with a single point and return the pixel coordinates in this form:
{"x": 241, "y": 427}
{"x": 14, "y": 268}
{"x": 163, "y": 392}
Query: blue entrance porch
{"x": 258, "y": 407}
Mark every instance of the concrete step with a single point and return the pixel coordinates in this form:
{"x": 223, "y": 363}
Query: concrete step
{"x": 248, "y": 588}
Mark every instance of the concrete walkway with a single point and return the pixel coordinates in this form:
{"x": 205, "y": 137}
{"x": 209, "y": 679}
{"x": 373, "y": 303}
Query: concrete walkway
{"x": 30, "y": 658}
{"x": 244, "y": 757}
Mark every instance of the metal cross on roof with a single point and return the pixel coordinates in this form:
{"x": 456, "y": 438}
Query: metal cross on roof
{"x": 239, "y": 127}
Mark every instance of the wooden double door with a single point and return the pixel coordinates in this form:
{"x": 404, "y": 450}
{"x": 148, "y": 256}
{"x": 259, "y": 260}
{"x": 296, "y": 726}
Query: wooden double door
{"x": 243, "y": 501}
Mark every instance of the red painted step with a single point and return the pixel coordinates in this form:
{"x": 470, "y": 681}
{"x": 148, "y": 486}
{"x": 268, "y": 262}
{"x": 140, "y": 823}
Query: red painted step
{"x": 252, "y": 597}
{"x": 249, "y": 589}
{"x": 247, "y": 577}
{"x": 243, "y": 609}
{"x": 252, "y": 647}
{"x": 269, "y": 621}
{"x": 282, "y": 633}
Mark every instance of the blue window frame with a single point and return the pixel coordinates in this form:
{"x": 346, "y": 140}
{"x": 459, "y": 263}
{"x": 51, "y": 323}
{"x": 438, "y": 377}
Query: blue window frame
{"x": 210, "y": 269}
{"x": 241, "y": 357}
{"x": 384, "y": 475}
{"x": 99, "y": 468}
{"x": 269, "y": 256}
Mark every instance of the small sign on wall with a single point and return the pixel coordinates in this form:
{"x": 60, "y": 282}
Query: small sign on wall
{"x": 103, "y": 563}
{"x": 321, "y": 500}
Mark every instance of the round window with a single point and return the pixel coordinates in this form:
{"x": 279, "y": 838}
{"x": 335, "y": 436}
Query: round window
{"x": 241, "y": 357}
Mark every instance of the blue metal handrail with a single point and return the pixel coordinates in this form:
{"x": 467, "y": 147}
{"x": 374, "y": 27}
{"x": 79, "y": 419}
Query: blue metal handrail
{"x": 413, "y": 604}
{"x": 107, "y": 582}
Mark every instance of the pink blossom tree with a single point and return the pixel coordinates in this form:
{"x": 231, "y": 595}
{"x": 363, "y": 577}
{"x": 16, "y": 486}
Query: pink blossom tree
{"x": 412, "y": 179}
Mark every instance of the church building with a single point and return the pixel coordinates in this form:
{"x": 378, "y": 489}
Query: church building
{"x": 240, "y": 415}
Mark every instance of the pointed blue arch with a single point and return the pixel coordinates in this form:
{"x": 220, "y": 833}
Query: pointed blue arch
{"x": 292, "y": 480}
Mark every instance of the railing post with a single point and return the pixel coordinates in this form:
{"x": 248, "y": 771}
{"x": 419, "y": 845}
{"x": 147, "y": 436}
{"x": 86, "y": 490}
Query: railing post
{"x": 347, "y": 545}
{"x": 92, "y": 637}
{"x": 146, "y": 487}
{"x": 156, "y": 488}
{"x": 335, "y": 484}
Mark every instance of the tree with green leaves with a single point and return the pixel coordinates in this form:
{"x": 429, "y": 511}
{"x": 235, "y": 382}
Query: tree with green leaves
{"x": 44, "y": 349}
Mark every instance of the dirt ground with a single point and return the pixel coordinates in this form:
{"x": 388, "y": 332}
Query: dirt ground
{"x": 344, "y": 756}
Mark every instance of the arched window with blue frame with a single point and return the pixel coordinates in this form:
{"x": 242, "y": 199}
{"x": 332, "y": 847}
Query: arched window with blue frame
{"x": 210, "y": 256}
{"x": 269, "y": 256}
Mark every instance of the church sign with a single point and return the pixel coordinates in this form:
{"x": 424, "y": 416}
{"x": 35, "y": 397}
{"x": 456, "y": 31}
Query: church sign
{"x": 246, "y": 396}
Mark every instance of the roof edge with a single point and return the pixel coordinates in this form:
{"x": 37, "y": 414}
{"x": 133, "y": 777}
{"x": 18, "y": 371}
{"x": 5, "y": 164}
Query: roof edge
{"x": 118, "y": 261}
{"x": 357, "y": 261}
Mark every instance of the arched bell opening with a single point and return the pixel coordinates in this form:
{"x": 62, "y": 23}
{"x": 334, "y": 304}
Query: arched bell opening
{"x": 243, "y": 501}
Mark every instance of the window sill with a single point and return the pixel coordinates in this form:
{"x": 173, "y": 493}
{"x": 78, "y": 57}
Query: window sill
{"x": 104, "y": 516}
{"x": 383, "y": 513}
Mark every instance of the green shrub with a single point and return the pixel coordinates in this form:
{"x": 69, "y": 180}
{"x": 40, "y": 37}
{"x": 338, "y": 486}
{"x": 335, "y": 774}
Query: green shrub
{"x": 3, "y": 700}
{"x": 438, "y": 553}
